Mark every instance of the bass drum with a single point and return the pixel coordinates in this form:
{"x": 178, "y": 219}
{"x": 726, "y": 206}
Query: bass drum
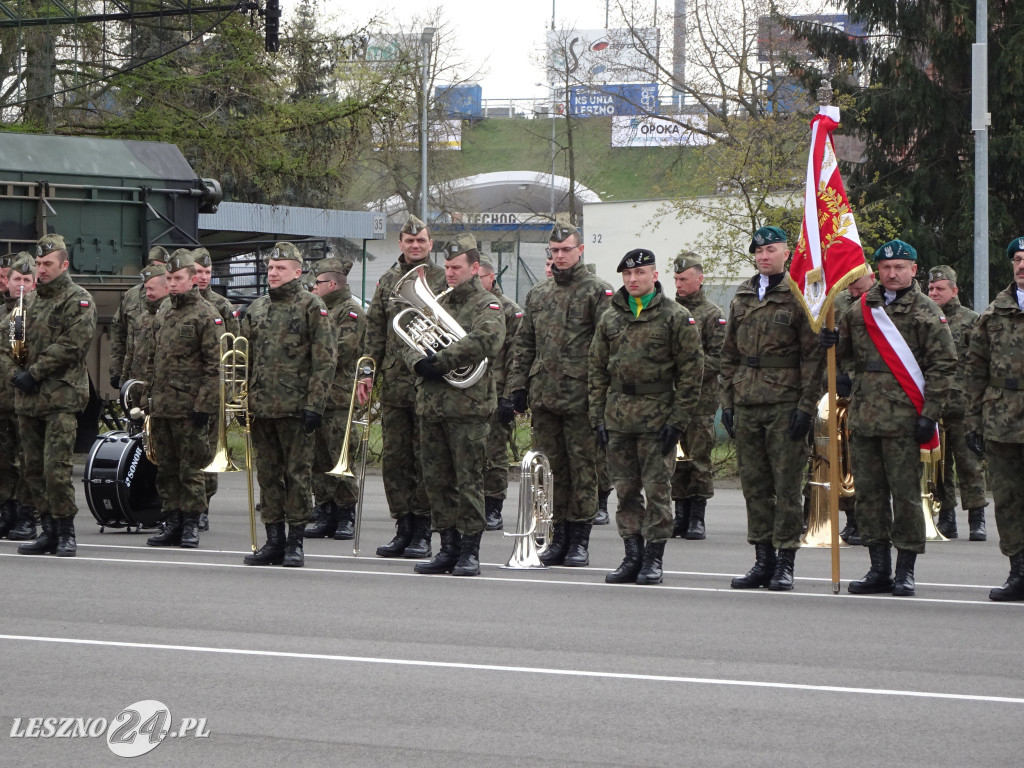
{"x": 120, "y": 483}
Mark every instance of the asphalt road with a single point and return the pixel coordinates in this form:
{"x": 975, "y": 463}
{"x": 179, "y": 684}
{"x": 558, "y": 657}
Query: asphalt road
{"x": 359, "y": 662}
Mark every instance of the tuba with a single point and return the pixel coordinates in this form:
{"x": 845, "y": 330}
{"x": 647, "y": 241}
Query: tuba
{"x": 426, "y": 327}
{"x": 534, "y": 525}
{"x": 933, "y": 465}
{"x": 137, "y": 414}
{"x": 19, "y": 347}
{"x": 819, "y": 524}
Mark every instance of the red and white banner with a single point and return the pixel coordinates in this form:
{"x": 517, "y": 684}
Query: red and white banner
{"x": 828, "y": 255}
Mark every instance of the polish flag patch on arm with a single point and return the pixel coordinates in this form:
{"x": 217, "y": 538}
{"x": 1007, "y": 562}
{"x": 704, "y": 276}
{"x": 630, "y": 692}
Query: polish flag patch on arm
{"x": 494, "y": 305}
{"x": 83, "y": 303}
{"x": 218, "y": 321}
{"x": 353, "y": 315}
{"x": 323, "y": 313}
{"x": 608, "y": 292}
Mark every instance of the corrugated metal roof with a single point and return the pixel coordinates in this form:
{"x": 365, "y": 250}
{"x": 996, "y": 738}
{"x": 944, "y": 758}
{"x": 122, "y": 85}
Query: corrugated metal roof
{"x": 291, "y": 221}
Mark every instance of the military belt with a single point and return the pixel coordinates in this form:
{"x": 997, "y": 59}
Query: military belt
{"x": 785, "y": 361}
{"x": 1005, "y": 382}
{"x": 872, "y": 366}
{"x": 650, "y": 388}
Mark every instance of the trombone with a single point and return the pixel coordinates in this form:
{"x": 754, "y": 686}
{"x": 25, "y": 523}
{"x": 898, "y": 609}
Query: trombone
{"x": 365, "y": 367}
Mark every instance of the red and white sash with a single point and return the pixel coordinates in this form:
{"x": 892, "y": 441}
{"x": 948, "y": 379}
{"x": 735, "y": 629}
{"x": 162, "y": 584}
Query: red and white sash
{"x": 898, "y": 356}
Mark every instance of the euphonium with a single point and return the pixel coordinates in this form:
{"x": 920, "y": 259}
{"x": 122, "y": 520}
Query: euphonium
{"x": 933, "y": 464}
{"x": 426, "y": 327}
{"x": 819, "y": 524}
{"x": 534, "y": 526}
{"x": 19, "y": 348}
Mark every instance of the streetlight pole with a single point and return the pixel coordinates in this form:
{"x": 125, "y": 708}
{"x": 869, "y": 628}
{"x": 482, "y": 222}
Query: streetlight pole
{"x": 426, "y": 39}
{"x": 980, "y": 120}
{"x": 551, "y": 179}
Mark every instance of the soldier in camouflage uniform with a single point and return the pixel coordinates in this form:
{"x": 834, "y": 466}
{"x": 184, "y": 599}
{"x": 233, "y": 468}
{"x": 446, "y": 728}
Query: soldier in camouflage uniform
{"x": 139, "y": 344}
{"x": 128, "y": 312}
{"x": 454, "y": 421}
{"x": 693, "y": 481}
{"x": 943, "y": 290}
{"x": 995, "y": 413}
{"x": 886, "y": 428}
{"x": 645, "y": 371}
{"x": 52, "y": 387}
{"x": 335, "y": 511}
{"x": 550, "y": 377}
{"x": 771, "y": 369}
{"x": 501, "y": 421}
{"x": 183, "y": 388}
{"x": 401, "y": 466}
{"x": 17, "y": 522}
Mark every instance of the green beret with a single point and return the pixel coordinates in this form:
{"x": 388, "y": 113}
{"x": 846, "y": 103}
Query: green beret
{"x": 152, "y": 270}
{"x": 767, "y": 236}
{"x": 22, "y": 262}
{"x": 685, "y": 260}
{"x": 561, "y": 232}
{"x": 896, "y": 249}
{"x": 1017, "y": 244}
{"x": 333, "y": 264}
{"x": 180, "y": 259}
{"x": 413, "y": 226}
{"x": 941, "y": 272}
{"x": 284, "y": 252}
{"x": 202, "y": 257}
{"x": 158, "y": 254}
{"x": 50, "y": 243}
{"x": 460, "y": 245}
{"x": 638, "y": 257}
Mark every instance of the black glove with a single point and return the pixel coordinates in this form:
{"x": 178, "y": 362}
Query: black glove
{"x": 200, "y": 420}
{"x": 506, "y": 411}
{"x": 727, "y": 422}
{"x": 311, "y": 421}
{"x": 602, "y": 434}
{"x": 26, "y": 382}
{"x": 844, "y": 385}
{"x": 115, "y": 382}
{"x": 427, "y": 368}
{"x": 975, "y": 442}
{"x": 924, "y": 429}
{"x": 520, "y": 401}
{"x": 799, "y": 424}
{"x": 669, "y": 437}
{"x": 828, "y": 337}
{"x": 240, "y": 418}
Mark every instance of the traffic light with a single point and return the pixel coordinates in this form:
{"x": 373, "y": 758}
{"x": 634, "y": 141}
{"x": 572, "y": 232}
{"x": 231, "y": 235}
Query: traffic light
{"x": 273, "y": 23}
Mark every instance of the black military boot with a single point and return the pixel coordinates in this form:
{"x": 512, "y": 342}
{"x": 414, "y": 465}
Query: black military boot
{"x": 204, "y": 521}
{"x": 25, "y": 528}
{"x": 1013, "y": 589}
{"x": 903, "y": 584}
{"x": 946, "y": 524}
{"x": 976, "y": 519}
{"x": 782, "y": 577}
{"x": 878, "y": 579}
{"x": 8, "y": 517}
{"x": 576, "y": 552}
{"x": 695, "y": 527}
{"x": 682, "y": 521}
{"x": 555, "y": 553}
{"x": 651, "y": 571}
{"x": 419, "y": 545}
{"x": 492, "y": 513}
{"x": 190, "y": 531}
{"x": 403, "y": 535}
{"x": 46, "y": 542}
{"x": 271, "y": 553}
{"x": 325, "y": 521}
{"x": 850, "y": 534}
{"x": 66, "y": 544}
{"x": 761, "y": 573}
{"x": 602, "y": 508}
{"x": 468, "y": 563}
{"x": 170, "y": 536}
{"x": 293, "y": 557}
{"x": 446, "y": 557}
{"x": 631, "y": 564}
{"x": 346, "y": 522}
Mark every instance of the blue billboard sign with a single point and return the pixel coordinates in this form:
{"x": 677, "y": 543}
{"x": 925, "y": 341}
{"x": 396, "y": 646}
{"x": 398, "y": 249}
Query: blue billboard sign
{"x": 610, "y": 100}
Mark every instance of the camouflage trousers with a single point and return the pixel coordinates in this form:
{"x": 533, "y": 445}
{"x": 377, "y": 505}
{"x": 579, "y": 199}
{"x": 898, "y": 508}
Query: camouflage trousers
{"x": 887, "y": 472}
{"x": 210, "y": 478}
{"x": 401, "y": 470}
{"x": 329, "y": 439}
{"x": 1006, "y": 467}
{"x": 639, "y": 469}
{"x": 771, "y": 468}
{"x": 47, "y": 445}
{"x": 284, "y": 456}
{"x": 12, "y": 483}
{"x": 570, "y": 446}
{"x": 604, "y": 477}
{"x": 182, "y": 451}
{"x": 969, "y": 474}
{"x": 453, "y": 461}
{"x": 496, "y": 459}
{"x": 692, "y": 479}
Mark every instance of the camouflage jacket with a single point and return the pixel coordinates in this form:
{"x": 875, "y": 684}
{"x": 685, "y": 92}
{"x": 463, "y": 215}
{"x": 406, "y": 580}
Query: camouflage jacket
{"x": 559, "y": 320}
{"x": 383, "y": 345}
{"x": 347, "y": 321}
{"x": 227, "y": 312}
{"x": 7, "y": 366}
{"x": 646, "y": 369}
{"x": 139, "y": 344}
{"x": 878, "y": 405}
{"x": 770, "y": 354}
{"x": 128, "y": 311}
{"x": 711, "y": 324}
{"x": 501, "y": 364}
{"x": 961, "y": 322}
{"x": 995, "y": 371}
{"x": 479, "y": 315}
{"x": 185, "y": 354}
{"x": 58, "y": 334}
{"x": 292, "y": 352}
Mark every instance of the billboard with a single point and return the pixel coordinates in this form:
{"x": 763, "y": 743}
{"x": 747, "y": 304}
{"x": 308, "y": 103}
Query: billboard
{"x": 652, "y": 131}
{"x": 602, "y": 55}
{"x": 609, "y": 100}
{"x": 774, "y": 42}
